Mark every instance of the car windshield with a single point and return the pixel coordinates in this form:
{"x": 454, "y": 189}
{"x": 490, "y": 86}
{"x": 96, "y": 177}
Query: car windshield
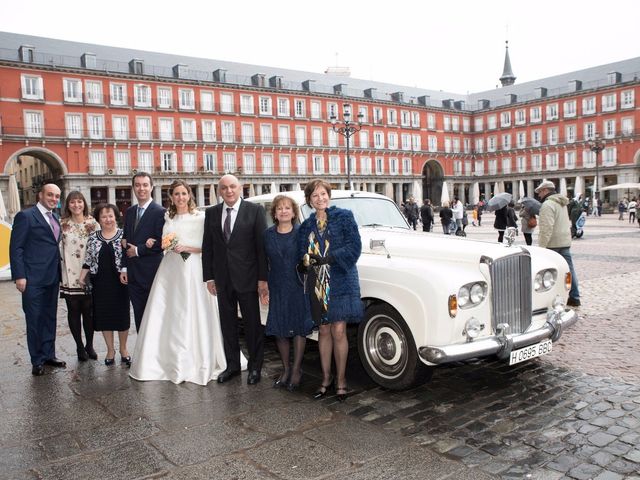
{"x": 368, "y": 211}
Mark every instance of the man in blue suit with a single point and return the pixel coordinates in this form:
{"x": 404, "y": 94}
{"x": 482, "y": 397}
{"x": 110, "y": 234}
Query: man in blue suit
{"x": 35, "y": 268}
{"x": 142, "y": 222}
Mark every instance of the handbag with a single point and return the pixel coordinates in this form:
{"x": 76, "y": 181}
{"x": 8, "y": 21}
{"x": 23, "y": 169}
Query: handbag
{"x": 532, "y": 222}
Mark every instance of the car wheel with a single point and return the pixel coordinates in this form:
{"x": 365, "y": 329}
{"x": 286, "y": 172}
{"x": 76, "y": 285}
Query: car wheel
{"x": 387, "y": 350}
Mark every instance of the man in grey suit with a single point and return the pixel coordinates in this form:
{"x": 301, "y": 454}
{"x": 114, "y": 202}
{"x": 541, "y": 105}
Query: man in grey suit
{"x": 35, "y": 267}
{"x": 234, "y": 266}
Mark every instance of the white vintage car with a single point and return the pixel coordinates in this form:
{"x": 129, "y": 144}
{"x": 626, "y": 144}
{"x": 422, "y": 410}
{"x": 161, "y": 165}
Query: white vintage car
{"x": 432, "y": 299}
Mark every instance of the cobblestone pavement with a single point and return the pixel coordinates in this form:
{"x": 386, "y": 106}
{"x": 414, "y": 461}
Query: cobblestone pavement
{"x": 572, "y": 414}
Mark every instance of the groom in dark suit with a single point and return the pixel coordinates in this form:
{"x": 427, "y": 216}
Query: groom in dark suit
{"x": 234, "y": 266}
{"x": 35, "y": 267}
{"x": 141, "y": 222}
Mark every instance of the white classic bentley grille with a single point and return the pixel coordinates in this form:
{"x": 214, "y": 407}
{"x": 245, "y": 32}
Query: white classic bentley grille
{"x": 511, "y": 293}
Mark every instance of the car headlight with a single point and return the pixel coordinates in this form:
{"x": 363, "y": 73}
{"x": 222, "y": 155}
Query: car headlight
{"x": 471, "y": 294}
{"x": 545, "y": 279}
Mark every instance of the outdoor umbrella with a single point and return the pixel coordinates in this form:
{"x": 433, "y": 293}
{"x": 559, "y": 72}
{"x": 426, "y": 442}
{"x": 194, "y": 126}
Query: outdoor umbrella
{"x": 623, "y": 186}
{"x": 496, "y": 189}
{"x": 252, "y": 190}
{"x": 416, "y": 191}
{"x": 498, "y": 201}
{"x": 213, "y": 200}
{"x": 445, "y": 194}
{"x": 521, "y": 193}
{"x": 531, "y": 204}
{"x": 475, "y": 193}
{"x": 13, "y": 201}
{"x": 578, "y": 187}
{"x": 388, "y": 190}
{"x": 273, "y": 188}
{"x": 563, "y": 186}
{"x": 3, "y": 210}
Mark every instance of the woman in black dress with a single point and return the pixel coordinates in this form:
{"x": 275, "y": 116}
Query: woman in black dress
{"x": 110, "y": 298}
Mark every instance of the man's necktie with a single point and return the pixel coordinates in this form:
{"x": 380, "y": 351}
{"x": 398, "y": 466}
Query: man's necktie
{"x": 138, "y": 217}
{"x": 227, "y": 225}
{"x": 54, "y": 225}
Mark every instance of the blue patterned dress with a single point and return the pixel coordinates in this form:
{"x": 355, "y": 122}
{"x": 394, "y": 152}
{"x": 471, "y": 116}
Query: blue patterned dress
{"x": 288, "y": 309}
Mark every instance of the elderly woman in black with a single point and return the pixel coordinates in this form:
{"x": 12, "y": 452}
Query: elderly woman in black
{"x": 103, "y": 262}
{"x": 330, "y": 245}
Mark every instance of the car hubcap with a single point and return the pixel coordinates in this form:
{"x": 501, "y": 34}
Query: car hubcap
{"x": 386, "y": 347}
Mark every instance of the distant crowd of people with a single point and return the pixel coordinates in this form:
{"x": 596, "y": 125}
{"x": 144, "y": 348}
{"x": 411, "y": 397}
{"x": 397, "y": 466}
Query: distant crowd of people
{"x": 186, "y": 273}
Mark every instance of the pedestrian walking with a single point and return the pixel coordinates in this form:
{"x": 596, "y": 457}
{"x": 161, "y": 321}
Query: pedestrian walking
{"x": 426, "y": 214}
{"x": 632, "y": 210}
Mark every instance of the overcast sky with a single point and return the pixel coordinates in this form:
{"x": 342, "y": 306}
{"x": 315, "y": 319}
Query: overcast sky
{"x": 453, "y": 45}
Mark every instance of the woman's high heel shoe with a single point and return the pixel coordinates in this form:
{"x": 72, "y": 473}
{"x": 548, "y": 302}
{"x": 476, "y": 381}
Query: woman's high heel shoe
{"x": 341, "y": 393}
{"x": 126, "y": 360}
{"x": 91, "y": 352}
{"x": 281, "y": 381}
{"x": 109, "y": 361}
{"x": 323, "y": 390}
{"x": 292, "y": 387}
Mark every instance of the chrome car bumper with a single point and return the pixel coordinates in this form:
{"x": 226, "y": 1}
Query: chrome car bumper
{"x": 501, "y": 345}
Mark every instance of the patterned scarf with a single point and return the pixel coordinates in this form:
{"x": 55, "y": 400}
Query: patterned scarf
{"x": 319, "y": 245}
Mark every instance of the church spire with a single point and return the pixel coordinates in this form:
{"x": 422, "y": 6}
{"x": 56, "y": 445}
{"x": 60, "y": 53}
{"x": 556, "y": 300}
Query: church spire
{"x": 507, "y": 78}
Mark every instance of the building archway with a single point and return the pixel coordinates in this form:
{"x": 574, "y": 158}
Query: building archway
{"x": 33, "y": 167}
{"x": 432, "y": 179}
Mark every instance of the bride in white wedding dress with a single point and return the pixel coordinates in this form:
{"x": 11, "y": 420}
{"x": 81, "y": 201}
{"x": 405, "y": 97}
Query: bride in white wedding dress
{"x": 180, "y": 338}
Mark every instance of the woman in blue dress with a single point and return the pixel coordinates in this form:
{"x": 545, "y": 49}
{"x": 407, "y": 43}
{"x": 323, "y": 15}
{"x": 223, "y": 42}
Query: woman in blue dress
{"x": 330, "y": 242}
{"x": 289, "y": 316}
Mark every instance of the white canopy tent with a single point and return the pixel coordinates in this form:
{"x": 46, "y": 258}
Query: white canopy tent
{"x": 445, "y": 194}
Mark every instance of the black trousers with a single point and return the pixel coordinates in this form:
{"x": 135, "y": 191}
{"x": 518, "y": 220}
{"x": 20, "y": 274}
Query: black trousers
{"x": 228, "y": 302}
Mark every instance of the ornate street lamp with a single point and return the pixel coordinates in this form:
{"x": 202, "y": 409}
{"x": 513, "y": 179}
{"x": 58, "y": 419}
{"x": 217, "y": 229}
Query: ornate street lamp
{"x": 596, "y": 145}
{"x": 347, "y": 129}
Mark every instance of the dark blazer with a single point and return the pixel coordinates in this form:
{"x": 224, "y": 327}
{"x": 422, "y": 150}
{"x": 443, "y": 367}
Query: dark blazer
{"x": 142, "y": 269}
{"x": 242, "y": 261}
{"x": 33, "y": 250}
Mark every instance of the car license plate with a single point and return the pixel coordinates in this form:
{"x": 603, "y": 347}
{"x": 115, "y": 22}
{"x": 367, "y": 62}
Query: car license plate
{"x": 532, "y": 351}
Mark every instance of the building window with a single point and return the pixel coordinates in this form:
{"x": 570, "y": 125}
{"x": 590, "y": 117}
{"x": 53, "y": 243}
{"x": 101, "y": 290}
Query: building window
{"x": 118, "y": 93}
{"x": 609, "y": 128}
{"x": 552, "y": 136}
{"x": 392, "y": 117}
{"x": 188, "y": 128}
{"x": 229, "y": 162}
{"x": 609, "y": 156}
{"x": 165, "y": 99}
{"x": 120, "y": 125}
{"x": 536, "y": 138}
{"x": 93, "y": 92}
{"x": 492, "y": 144}
{"x": 189, "y": 162}
{"x": 447, "y": 123}
{"x": 588, "y": 159}
{"x": 589, "y": 106}
{"x": 405, "y": 118}
{"x": 365, "y": 165}
{"x": 187, "y": 99}
{"x": 316, "y": 110}
{"x": 405, "y": 141}
{"x": 433, "y": 143}
{"x": 299, "y": 108}
{"x": 552, "y": 161}
{"x": 377, "y": 115}
{"x": 505, "y": 119}
{"x": 145, "y": 161}
{"x": 521, "y": 116}
{"x": 506, "y": 141}
{"x": 589, "y": 131}
{"x": 73, "y": 122}
{"x": 364, "y": 111}
{"x": 627, "y": 99}
{"x": 506, "y": 165}
{"x": 226, "y": 102}
{"x": 72, "y": 90}
{"x": 95, "y": 126}
{"x": 493, "y": 166}
{"x": 206, "y": 101}
{"x": 379, "y": 165}
{"x": 283, "y": 107}
{"x": 468, "y": 168}
{"x": 301, "y": 136}
{"x": 536, "y": 162}
{"x": 266, "y": 106}
{"x": 570, "y": 133}
{"x": 301, "y": 164}
{"x": 283, "y": 135}
{"x": 447, "y": 144}
{"x": 142, "y": 95}
{"x": 627, "y": 127}
{"x": 478, "y": 124}
{"x": 378, "y": 139}
{"x": 97, "y": 162}
{"x": 393, "y": 166}
{"x": 209, "y": 161}
{"x": 316, "y": 136}
{"x": 479, "y": 168}
{"x": 332, "y": 138}
{"x": 569, "y": 109}
{"x": 492, "y": 122}
{"x": 570, "y": 159}
{"x": 609, "y": 102}
{"x": 415, "y": 120}
{"x": 285, "y": 164}
{"x": 247, "y": 133}
{"x": 166, "y": 129}
{"x": 169, "y": 162}
{"x": 318, "y": 164}
{"x": 246, "y": 104}
{"x": 521, "y": 163}
{"x": 123, "y": 162}
{"x": 455, "y": 124}
{"x": 266, "y": 136}
{"x": 392, "y": 141}
{"x": 521, "y": 139}
{"x": 535, "y": 114}
{"x": 552, "y": 111}
{"x": 208, "y": 130}
{"x": 267, "y": 163}
{"x": 479, "y": 148}
{"x": 334, "y": 164}
{"x": 228, "y": 132}
{"x": 143, "y": 128}
{"x": 32, "y": 87}
{"x": 406, "y": 166}
{"x": 249, "y": 163}
{"x": 431, "y": 121}
{"x": 416, "y": 142}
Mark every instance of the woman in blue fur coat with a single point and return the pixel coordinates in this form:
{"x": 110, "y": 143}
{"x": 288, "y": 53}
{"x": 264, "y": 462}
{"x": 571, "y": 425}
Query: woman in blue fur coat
{"x": 329, "y": 243}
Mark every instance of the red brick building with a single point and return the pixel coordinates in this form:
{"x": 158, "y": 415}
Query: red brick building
{"x": 92, "y": 115}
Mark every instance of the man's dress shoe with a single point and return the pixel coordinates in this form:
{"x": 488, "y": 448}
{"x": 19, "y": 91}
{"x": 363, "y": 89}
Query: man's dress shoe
{"x": 37, "y": 370}
{"x": 227, "y": 375}
{"x": 54, "y": 362}
{"x": 254, "y": 377}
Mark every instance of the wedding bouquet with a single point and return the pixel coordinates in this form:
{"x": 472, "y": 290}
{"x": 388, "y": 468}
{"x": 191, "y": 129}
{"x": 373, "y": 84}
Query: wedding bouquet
{"x": 169, "y": 243}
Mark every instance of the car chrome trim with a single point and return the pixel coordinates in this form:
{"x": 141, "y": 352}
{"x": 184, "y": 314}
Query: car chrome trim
{"x": 557, "y": 322}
